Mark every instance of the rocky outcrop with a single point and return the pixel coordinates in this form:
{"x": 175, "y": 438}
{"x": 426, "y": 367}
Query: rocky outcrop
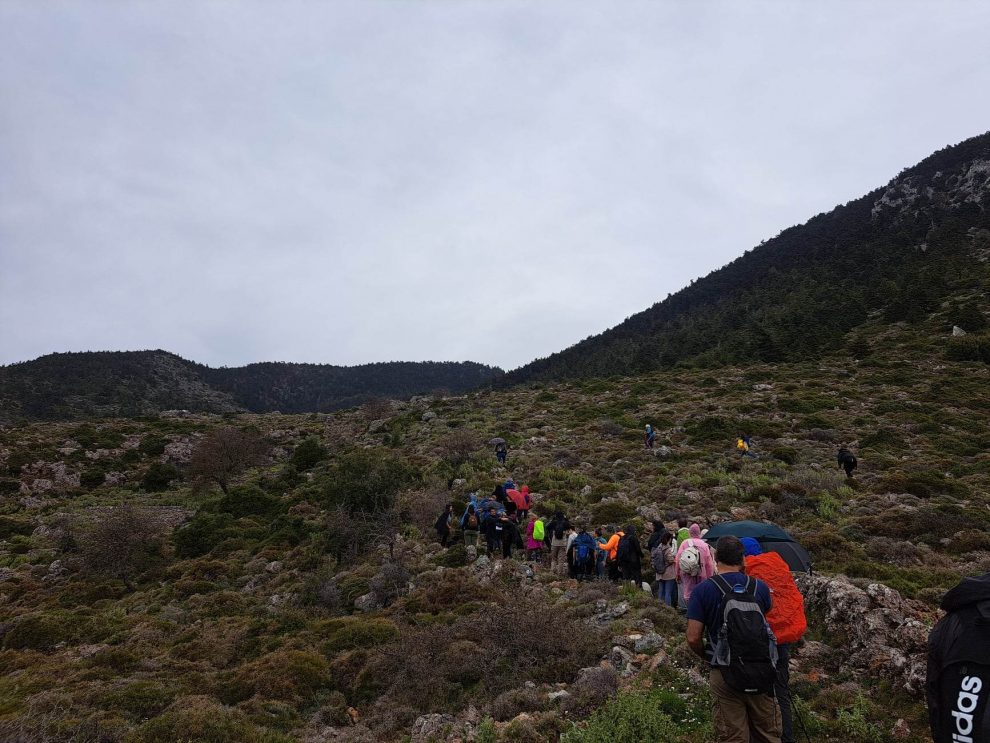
{"x": 884, "y": 634}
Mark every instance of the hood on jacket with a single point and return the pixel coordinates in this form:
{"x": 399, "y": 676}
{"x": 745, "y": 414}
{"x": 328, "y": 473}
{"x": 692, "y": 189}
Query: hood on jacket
{"x": 695, "y": 531}
{"x": 969, "y": 591}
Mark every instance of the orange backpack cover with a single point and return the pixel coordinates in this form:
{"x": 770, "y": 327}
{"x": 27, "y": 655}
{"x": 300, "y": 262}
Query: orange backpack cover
{"x": 786, "y": 618}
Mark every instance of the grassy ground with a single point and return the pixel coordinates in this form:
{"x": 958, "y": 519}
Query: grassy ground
{"x": 242, "y": 625}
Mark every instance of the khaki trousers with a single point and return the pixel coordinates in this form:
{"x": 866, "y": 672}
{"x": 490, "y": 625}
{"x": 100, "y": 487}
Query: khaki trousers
{"x": 743, "y": 718}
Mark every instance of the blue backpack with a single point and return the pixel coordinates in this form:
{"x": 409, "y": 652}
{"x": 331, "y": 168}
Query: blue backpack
{"x": 584, "y": 550}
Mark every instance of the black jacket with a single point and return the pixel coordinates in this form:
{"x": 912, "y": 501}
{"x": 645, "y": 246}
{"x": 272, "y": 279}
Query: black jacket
{"x": 958, "y": 685}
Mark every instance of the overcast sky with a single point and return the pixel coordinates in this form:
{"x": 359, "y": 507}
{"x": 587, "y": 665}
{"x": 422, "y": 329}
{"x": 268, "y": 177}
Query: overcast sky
{"x": 346, "y": 182}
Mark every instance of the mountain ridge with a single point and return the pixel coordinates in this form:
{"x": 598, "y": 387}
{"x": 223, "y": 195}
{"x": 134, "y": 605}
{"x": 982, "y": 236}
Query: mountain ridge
{"x": 901, "y": 248}
{"x": 92, "y": 384}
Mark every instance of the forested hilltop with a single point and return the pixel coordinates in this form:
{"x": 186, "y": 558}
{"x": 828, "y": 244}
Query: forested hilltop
{"x": 72, "y": 386}
{"x": 898, "y": 252}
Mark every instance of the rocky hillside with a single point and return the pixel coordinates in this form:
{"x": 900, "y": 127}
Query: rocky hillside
{"x": 900, "y": 250}
{"x": 73, "y": 386}
{"x": 308, "y": 600}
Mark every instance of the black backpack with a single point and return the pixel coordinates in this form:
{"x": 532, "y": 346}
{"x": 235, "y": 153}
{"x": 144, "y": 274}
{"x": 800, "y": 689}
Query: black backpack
{"x": 745, "y": 650}
{"x": 559, "y": 528}
{"x": 958, "y": 686}
{"x": 624, "y": 549}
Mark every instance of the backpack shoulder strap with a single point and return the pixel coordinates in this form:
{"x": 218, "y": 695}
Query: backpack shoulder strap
{"x": 722, "y": 583}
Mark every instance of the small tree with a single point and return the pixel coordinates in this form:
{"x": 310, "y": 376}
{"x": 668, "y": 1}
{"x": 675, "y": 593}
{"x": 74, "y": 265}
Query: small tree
{"x": 126, "y": 542}
{"x": 459, "y": 445}
{"x": 224, "y": 454}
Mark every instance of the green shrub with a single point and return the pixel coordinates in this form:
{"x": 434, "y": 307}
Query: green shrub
{"x": 139, "y": 700}
{"x": 288, "y": 675}
{"x": 632, "y": 717}
{"x": 786, "y": 454}
{"x": 199, "y": 719}
{"x": 203, "y": 532}
{"x": 92, "y": 478}
{"x": 308, "y": 454}
{"x": 969, "y": 348}
{"x": 454, "y": 556}
{"x": 612, "y": 512}
{"x": 248, "y": 500}
{"x": 153, "y": 445}
{"x": 348, "y": 633}
{"x": 711, "y": 428}
{"x": 366, "y": 480}
{"x": 45, "y": 629}
{"x": 11, "y": 526}
{"x": 158, "y": 477}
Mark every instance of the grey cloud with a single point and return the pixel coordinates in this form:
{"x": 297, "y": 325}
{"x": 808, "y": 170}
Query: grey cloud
{"x": 350, "y": 182}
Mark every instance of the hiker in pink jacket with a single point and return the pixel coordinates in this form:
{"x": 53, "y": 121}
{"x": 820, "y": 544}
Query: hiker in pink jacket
{"x": 704, "y": 568}
{"x": 533, "y": 546}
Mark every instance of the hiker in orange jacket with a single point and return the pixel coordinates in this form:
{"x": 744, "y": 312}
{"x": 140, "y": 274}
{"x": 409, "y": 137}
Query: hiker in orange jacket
{"x": 611, "y": 549}
{"x": 786, "y": 618}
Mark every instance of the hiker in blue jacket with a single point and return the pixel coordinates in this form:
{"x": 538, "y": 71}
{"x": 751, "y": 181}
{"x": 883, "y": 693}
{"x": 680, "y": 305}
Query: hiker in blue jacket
{"x": 582, "y": 554}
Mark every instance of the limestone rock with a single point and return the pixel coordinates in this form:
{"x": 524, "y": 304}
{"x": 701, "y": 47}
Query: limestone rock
{"x": 428, "y": 416}
{"x": 553, "y": 696}
{"x": 649, "y": 643}
{"x": 886, "y": 634}
{"x": 367, "y": 602}
{"x": 430, "y": 727}
{"x": 957, "y": 331}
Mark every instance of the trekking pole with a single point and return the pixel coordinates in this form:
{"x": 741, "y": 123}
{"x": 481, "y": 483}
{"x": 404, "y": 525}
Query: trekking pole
{"x": 797, "y": 713}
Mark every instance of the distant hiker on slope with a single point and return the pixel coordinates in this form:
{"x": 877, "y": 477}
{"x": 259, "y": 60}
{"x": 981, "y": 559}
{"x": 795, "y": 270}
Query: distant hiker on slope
{"x": 694, "y": 564}
{"x": 786, "y": 619}
{"x": 847, "y": 461}
{"x": 650, "y": 438}
{"x": 745, "y": 445}
{"x": 731, "y": 608}
{"x": 958, "y": 686}
{"x": 443, "y": 523}
{"x": 501, "y": 452}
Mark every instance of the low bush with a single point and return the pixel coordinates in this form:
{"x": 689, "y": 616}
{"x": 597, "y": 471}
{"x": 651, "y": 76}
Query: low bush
{"x": 199, "y": 719}
{"x": 158, "y": 476}
{"x": 288, "y": 675}
{"x": 349, "y": 633}
{"x": 631, "y": 717}
{"x": 248, "y": 500}
{"x": 612, "y": 512}
{"x": 366, "y": 480}
{"x": 308, "y": 454}
{"x": 139, "y": 700}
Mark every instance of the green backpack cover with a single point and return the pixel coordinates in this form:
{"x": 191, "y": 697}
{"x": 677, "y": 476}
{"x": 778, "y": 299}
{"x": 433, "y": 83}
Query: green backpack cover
{"x": 538, "y": 531}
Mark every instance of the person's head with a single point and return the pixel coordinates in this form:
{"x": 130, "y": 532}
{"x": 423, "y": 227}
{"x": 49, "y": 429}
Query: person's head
{"x": 657, "y": 525}
{"x": 729, "y": 552}
{"x": 524, "y": 489}
{"x": 666, "y": 537}
{"x": 751, "y": 547}
{"x": 631, "y": 530}
{"x": 695, "y": 531}
{"x": 450, "y": 506}
{"x": 580, "y": 528}
{"x": 532, "y": 517}
{"x": 682, "y": 522}
{"x": 599, "y": 532}
{"x": 492, "y": 510}
{"x": 471, "y": 508}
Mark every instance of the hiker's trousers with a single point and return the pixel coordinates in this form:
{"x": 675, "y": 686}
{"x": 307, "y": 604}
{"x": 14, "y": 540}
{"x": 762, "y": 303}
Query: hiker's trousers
{"x": 743, "y": 718}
